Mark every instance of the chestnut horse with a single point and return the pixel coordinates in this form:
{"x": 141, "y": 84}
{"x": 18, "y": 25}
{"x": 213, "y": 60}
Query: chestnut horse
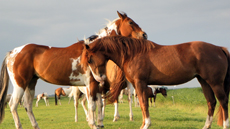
{"x": 62, "y": 91}
{"x": 61, "y": 66}
{"x": 147, "y": 63}
{"x": 114, "y": 28}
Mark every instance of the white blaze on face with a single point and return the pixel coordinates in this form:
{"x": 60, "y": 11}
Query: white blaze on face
{"x": 98, "y": 77}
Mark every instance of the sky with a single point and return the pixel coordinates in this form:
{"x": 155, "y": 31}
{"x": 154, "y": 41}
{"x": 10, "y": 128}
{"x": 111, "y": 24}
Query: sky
{"x": 61, "y": 23}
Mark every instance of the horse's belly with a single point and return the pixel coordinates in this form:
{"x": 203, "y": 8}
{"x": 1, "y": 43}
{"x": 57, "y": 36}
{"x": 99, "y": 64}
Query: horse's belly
{"x": 173, "y": 80}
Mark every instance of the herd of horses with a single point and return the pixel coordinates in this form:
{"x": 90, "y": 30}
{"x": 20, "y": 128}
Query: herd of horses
{"x": 119, "y": 56}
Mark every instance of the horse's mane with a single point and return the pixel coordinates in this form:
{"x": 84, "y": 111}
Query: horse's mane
{"x": 107, "y": 25}
{"x": 127, "y": 47}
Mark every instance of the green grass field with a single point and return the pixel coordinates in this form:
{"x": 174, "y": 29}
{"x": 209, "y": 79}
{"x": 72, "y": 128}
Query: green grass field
{"x": 188, "y": 111}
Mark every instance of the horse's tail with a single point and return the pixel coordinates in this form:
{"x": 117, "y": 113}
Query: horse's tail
{"x": 4, "y": 82}
{"x": 116, "y": 86}
{"x": 55, "y": 96}
{"x": 226, "y": 86}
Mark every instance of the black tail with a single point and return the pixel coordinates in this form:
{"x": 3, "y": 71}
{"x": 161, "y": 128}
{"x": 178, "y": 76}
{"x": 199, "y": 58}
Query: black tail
{"x": 55, "y": 99}
{"x": 4, "y": 82}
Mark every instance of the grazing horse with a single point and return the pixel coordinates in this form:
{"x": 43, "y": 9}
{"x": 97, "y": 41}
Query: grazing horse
{"x": 162, "y": 90}
{"x": 24, "y": 65}
{"x": 147, "y": 63}
{"x": 43, "y": 96}
{"x": 155, "y": 90}
{"x": 62, "y": 91}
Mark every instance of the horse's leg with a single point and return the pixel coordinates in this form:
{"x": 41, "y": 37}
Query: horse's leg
{"x": 219, "y": 91}
{"x": 142, "y": 93}
{"x": 104, "y": 105}
{"x": 59, "y": 99}
{"x": 45, "y": 100}
{"x": 84, "y": 107}
{"x": 154, "y": 100}
{"x": 100, "y": 117}
{"x": 69, "y": 99}
{"x": 211, "y": 101}
{"x": 150, "y": 99}
{"x": 116, "y": 113}
{"x": 91, "y": 106}
{"x": 131, "y": 89}
{"x": 38, "y": 99}
{"x": 28, "y": 102}
{"x": 13, "y": 104}
{"x": 76, "y": 97}
{"x": 121, "y": 96}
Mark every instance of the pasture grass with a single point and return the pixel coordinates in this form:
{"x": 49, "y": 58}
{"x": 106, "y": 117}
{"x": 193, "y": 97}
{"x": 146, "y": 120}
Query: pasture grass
{"x": 189, "y": 111}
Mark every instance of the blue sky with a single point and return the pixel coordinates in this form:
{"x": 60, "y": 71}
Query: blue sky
{"x": 61, "y": 23}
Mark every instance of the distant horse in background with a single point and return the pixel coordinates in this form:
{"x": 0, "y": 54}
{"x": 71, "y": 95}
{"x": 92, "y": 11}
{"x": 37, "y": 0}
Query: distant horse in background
{"x": 62, "y": 91}
{"x": 147, "y": 63}
{"x": 8, "y": 97}
{"x": 43, "y": 96}
{"x": 24, "y": 65}
{"x": 158, "y": 89}
{"x": 153, "y": 91}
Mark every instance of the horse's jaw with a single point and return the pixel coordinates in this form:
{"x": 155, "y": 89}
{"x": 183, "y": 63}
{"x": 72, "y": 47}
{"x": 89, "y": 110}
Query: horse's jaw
{"x": 98, "y": 78}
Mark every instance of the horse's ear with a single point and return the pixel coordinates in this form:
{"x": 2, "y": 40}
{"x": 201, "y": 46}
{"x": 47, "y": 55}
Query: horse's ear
{"x": 122, "y": 16}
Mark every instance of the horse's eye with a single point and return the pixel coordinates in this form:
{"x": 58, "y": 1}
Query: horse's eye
{"x": 89, "y": 61}
{"x": 130, "y": 22}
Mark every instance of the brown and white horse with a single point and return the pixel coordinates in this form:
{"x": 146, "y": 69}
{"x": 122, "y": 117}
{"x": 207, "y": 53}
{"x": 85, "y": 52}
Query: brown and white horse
{"x": 153, "y": 91}
{"x": 24, "y": 65}
{"x": 43, "y": 96}
{"x": 158, "y": 89}
{"x": 147, "y": 63}
{"x": 62, "y": 91}
{"x": 114, "y": 28}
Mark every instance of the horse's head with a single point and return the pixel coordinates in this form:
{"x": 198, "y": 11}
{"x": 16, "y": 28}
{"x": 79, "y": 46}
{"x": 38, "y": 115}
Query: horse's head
{"x": 163, "y": 91}
{"x": 96, "y": 63}
{"x": 127, "y": 27}
{"x": 123, "y": 26}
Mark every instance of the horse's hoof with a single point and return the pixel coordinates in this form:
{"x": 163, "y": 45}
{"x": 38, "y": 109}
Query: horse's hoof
{"x": 93, "y": 126}
{"x": 206, "y": 127}
{"x": 116, "y": 118}
{"x": 100, "y": 126}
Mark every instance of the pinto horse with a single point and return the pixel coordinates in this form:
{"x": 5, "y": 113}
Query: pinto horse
{"x": 43, "y": 96}
{"x": 62, "y": 91}
{"x": 158, "y": 89}
{"x": 147, "y": 63}
{"x": 61, "y": 66}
